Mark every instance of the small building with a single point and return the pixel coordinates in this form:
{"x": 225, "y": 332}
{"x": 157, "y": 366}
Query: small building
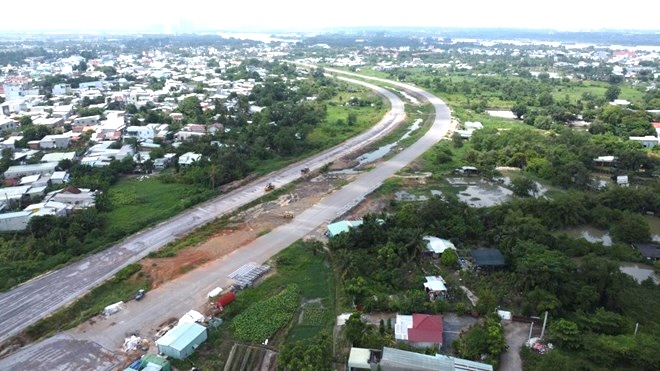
{"x": 342, "y": 226}
{"x": 435, "y": 287}
{"x": 487, "y": 258}
{"x": 56, "y": 157}
{"x": 49, "y": 208}
{"x": 55, "y": 141}
{"x": 648, "y": 141}
{"x": 192, "y": 316}
{"x": 141, "y": 133}
{"x": 436, "y": 246}
{"x": 16, "y": 221}
{"x": 650, "y": 251}
{"x": 419, "y": 330}
{"x": 23, "y": 170}
{"x": 77, "y": 198}
{"x": 189, "y": 158}
{"x": 59, "y": 177}
{"x": 182, "y": 340}
{"x": 363, "y": 359}
{"x": 622, "y": 181}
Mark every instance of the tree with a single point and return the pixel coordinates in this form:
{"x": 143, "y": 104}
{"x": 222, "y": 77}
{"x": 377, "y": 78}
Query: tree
{"x": 523, "y": 187}
{"x": 25, "y": 121}
{"x": 565, "y": 334}
{"x": 612, "y": 93}
{"x": 449, "y": 258}
{"x": 457, "y": 140}
{"x": 355, "y": 329}
{"x": 519, "y": 109}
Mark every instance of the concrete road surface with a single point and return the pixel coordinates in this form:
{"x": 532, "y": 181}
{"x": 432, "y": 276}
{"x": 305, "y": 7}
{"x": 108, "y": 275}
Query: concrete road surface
{"x": 175, "y": 298}
{"x": 39, "y": 297}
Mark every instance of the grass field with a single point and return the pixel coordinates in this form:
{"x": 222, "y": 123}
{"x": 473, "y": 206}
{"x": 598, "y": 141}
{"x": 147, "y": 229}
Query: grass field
{"x": 140, "y": 203}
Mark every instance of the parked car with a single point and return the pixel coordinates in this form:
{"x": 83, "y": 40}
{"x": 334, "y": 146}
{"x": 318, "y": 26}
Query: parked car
{"x": 139, "y": 295}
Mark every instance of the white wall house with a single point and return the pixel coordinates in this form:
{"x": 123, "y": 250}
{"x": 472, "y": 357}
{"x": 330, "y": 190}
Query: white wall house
{"x": 61, "y": 89}
{"x": 55, "y": 141}
{"x": 141, "y": 133}
{"x": 14, "y": 221}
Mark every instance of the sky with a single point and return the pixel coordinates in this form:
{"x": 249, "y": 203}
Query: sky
{"x": 299, "y": 15}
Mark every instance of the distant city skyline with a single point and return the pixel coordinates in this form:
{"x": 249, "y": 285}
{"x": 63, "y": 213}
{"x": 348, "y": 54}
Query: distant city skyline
{"x": 297, "y": 15}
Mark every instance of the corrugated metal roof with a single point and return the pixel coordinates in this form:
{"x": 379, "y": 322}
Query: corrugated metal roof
{"x": 342, "y": 226}
{"x": 414, "y": 361}
{"x": 181, "y": 335}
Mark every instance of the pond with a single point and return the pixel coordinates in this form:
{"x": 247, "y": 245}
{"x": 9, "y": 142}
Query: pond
{"x": 639, "y": 272}
{"x": 595, "y": 235}
{"x": 481, "y": 193}
{"x": 591, "y": 234}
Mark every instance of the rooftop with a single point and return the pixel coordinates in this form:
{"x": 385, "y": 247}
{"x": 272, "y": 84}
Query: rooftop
{"x": 488, "y": 257}
{"x": 181, "y": 335}
{"x": 648, "y": 250}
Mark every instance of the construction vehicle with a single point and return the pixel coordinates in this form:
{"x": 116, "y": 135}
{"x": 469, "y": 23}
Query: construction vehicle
{"x": 269, "y": 187}
{"x": 304, "y": 171}
{"x": 287, "y": 215}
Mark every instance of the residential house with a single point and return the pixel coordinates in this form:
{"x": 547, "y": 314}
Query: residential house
{"x": 58, "y": 156}
{"x": 49, "y": 208}
{"x": 13, "y": 106}
{"x": 55, "y": 141}
{"x": 648, "y": 141}
{"x": 23, "y": 170}
{"x": 10, "y": 195}
{"x": 61, "y": 89}
{"x": 419, "y": 330}
{"x": 650, "y": 251}
{"x": 487, "y": 258}
{"x": 342, "y": 226}
{"x": 77, "y": 198}
{"x": 91, "y": 85}
{"x": 8, "y": 124}
{"x": 435, "y": 287}
{"x": 10, "y": 142}
{"x": 141, "y": 133}
{"x": 16, "y": 221}
{"x": 59, "y": 177}
{"x": 436, "y": 246}
{"x": 86, "y": 120}
{"x": 19, "y": 88}
{"x": 189, "y": 158}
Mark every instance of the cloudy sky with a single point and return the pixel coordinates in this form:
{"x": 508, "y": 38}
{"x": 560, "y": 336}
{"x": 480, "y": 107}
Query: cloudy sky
{"x": 260, "y": 15}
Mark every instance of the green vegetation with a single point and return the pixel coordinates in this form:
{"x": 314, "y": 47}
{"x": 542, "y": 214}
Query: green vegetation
{"x": 263, "y": 319}
{"x": 139, "y": 203}
{"x": 121, "y": 287}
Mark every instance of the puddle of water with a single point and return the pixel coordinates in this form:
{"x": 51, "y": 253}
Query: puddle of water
{"x": 409, "y": 97}
{"x": 384, "y": 150}
{"x": 639, "y": 272}
{"x": 484, "y": 194}
{"x": 591, "y": 234}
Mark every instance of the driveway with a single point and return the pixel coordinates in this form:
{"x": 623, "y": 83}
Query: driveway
{"x": 516, "y": 334}
{"x": 452, "y": 325}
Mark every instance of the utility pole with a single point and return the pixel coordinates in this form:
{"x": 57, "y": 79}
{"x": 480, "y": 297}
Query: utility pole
{"x": 636, "y": 328}
{"x": 531, "y": 327}
{"x": 545, "y": 320}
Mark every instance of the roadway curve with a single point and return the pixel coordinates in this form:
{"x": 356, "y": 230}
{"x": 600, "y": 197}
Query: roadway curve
{"x": 176, "y": 297}
{"x": 35, "y": 299}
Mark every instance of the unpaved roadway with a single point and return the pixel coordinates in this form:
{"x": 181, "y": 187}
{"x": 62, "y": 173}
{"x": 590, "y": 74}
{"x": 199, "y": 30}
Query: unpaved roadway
{"x": 174, "y": 298}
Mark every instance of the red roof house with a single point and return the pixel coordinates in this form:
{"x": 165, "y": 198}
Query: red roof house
{"x": 420, "y": 330}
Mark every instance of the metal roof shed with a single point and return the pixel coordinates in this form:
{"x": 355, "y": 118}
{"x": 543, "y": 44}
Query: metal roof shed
{"x": 488, "y": 258}
{"x": 181, "y": 341}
